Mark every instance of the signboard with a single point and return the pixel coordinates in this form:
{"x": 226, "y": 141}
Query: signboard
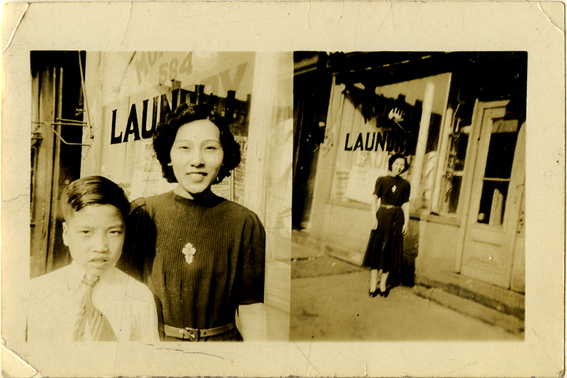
{"x": 138, "y": 89}
{"x": 372, "y": 128}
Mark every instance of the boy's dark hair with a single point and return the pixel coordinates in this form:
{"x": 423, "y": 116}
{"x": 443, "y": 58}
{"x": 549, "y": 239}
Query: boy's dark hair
{"x": 182, "y": 115}
{"x": 395, "y": 157}
{"x": 93, "y": 190}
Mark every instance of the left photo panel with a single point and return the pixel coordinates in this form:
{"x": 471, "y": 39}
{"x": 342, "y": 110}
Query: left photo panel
{"x": 160, "y": 196}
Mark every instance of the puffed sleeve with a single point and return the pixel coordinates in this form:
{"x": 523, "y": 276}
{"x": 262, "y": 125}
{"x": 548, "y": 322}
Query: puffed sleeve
{"x": 253, "y": 256}
{"x": 406, "y": 193}
{"x": 139, "y": 244}
{"x": 378, "y": 187}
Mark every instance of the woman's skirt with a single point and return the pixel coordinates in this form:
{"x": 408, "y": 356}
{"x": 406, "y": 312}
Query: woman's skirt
{"x": 386, "y": 245}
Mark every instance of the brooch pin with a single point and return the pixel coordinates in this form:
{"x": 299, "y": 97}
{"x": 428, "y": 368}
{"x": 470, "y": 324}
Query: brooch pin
{"x": 189, "y": 251}
{"x": 394, "y": 188}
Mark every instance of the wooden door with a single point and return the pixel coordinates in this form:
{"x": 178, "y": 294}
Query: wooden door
{"x": 494, "y": 207}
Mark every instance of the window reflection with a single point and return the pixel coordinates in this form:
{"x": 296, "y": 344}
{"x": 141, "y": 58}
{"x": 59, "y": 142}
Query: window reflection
{"x": 497, "y": 172}
{"x": 493, "y": 202}
{"x": 451, "y": 184}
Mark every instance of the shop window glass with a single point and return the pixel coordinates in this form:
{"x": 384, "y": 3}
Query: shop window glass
{"x": 366, "y": 133}
{"x": 453, "y": 176}
{"x": 497, "y": 173}
{"x": 430, "y": 161}
{"x": 155, "y": 83}
{"x": 433, "y": 138}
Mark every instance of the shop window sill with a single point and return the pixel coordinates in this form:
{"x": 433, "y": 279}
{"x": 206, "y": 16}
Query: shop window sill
{"x": 443, "y": 219}
{"x": 353, "y": 204}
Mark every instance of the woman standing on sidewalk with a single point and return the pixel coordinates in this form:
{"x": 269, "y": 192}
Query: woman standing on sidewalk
{"x": 390, "y": 214}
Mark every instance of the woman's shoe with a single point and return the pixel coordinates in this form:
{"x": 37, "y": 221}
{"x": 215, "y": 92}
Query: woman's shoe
{"x": 374, "y": 293}
{"x": 384, "y": 293}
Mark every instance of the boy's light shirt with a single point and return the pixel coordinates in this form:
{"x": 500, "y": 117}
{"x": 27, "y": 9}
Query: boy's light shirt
{"x": 55, "y": 299}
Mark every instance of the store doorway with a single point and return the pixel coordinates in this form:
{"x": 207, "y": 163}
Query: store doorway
{"x": 57, "y": 129}
{"x": 311, "y": 100}
{"x": 496, "y": 194}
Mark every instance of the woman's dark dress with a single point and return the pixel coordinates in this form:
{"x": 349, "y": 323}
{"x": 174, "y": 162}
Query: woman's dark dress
{"x": 225, "y": 271}
{"x": 385, "y": 248}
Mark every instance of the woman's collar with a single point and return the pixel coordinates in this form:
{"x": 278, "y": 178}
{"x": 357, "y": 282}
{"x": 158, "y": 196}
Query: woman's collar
{"x": 208, "y": 199}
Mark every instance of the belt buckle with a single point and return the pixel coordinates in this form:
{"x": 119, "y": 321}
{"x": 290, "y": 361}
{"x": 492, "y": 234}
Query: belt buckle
{"x": 191, "y": 334}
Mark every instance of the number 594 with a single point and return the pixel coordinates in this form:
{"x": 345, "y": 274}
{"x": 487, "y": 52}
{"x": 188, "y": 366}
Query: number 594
{"x": 169, "y": 71}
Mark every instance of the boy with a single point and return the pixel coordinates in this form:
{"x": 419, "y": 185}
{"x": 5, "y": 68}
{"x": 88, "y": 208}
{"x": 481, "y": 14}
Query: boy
{"x": 91, "y": 300}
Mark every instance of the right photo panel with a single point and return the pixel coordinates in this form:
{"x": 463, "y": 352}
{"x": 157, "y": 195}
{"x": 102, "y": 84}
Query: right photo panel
{"x": 408, "y": 196}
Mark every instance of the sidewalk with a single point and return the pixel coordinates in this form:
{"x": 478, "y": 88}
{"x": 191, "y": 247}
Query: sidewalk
{"x": 330, "y": 302}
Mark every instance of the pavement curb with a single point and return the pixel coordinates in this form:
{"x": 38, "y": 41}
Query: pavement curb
{"x": 471, "y": 308}
{"x": 502, "y": 300}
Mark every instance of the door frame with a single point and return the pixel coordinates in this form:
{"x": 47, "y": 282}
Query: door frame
{"x": 476, "y": 151}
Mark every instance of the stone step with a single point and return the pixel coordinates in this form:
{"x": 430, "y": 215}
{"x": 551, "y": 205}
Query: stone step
{"x": 344, "y": 254}
{"x": 303, "y": 246}
{"x": 493, "y": 297}
{"x": 471, "y": 308}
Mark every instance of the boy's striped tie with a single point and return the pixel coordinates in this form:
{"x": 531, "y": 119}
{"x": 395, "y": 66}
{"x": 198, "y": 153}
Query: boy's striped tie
{"x": 99, "y": 326}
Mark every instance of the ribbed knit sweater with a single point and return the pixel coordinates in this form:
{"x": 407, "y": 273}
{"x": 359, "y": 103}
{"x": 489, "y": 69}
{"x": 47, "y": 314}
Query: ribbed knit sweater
{"x": 201, "y": 259}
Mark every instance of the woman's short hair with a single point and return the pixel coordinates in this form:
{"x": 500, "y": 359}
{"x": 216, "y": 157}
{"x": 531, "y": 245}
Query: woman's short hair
{"x": 395, "y": 157}
{"x": 182, "y": 115}
{"x": 93, "y": 190}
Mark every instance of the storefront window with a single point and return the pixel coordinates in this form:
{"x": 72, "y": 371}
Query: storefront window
{"x": 430, "y": 161}
{"x": 140, "y": 88}
{"x": 453, "y": 176}
{"x": 371, "y": 123}
{"x": 498, "y": 171}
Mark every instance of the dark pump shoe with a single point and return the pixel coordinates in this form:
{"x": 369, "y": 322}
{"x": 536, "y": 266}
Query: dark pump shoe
{"x": 373, "y": 294}
{"x": 384, "y": 293}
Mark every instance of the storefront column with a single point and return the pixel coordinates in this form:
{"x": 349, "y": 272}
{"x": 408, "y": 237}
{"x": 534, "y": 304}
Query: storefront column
{"x": 416, "y": 191}
{"x": 415, "y": 196}
{"x": 325, "y": 165}
{"x": 268, "y": 124}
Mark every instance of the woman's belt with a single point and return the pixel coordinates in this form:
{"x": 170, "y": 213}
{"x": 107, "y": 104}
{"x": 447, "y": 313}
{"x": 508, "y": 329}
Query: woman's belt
{"x": 194, "y": 334}
{"x": 390, "y": 206}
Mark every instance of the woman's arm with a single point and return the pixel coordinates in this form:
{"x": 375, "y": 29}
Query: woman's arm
{"x": 374, "y": 205}
{"x": 252, "y": 322}
{"x": 251, "y": 314}
{"x": 405, "y": 209}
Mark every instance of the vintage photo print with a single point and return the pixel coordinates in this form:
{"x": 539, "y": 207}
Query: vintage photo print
{"x": 172, "y": 130}
{"x": 445, "y": 228}
{"x": 329, "y": 188}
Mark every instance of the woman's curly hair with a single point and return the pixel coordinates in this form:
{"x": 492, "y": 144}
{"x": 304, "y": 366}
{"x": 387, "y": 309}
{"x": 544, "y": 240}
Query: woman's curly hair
{"x": 167, "y": 131}
{"x": 395, "y": 157}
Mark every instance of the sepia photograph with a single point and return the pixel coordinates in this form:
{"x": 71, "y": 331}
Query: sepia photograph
{"x": 276, "y": 189}
{"x": 409, "y": 176}
{"x": 140, "y": 170}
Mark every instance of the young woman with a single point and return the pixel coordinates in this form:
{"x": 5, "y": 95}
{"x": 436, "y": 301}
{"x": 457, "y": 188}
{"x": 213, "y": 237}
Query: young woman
{"x": 390, "y": 214}
{"x": 201, "y": 255}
